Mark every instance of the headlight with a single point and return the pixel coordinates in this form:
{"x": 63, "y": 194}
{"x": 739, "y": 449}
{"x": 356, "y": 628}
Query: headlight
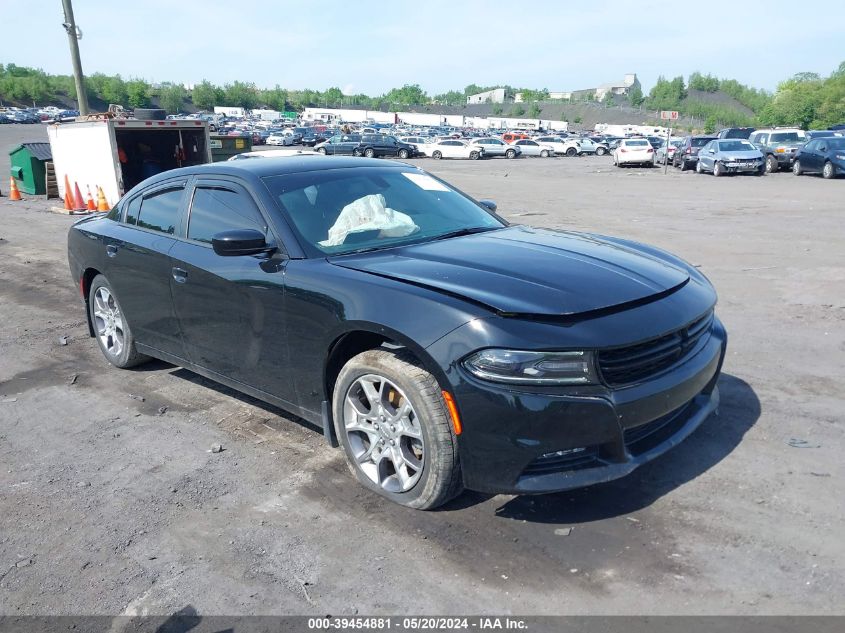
{"x": 840, "y": 157}
{"x": 532, "y": 368}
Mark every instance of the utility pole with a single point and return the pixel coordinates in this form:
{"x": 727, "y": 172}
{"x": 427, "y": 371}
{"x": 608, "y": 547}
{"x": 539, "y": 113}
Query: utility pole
{"x": 73, "y": 35}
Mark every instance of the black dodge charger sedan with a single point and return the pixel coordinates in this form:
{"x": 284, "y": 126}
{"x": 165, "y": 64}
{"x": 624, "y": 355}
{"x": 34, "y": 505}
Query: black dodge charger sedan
{"x": 440, "y": 346}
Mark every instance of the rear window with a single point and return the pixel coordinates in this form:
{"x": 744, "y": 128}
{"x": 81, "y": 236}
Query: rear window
{"x": 637, "y": 143}
{"x": 737, "y": 132}
{"x": 160, "y": 211}
{"x": 787, "y": 137}
{"x": 700, "y": 142}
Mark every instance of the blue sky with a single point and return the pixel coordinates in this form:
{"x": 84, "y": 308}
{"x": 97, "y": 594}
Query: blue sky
{"x": 371, "y": 46}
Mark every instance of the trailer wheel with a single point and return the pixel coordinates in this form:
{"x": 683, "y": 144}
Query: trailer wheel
{"x": 150, "y": 114}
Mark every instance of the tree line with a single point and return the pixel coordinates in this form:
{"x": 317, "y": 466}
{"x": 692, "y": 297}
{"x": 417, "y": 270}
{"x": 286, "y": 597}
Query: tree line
{"x": 806, "y": 99}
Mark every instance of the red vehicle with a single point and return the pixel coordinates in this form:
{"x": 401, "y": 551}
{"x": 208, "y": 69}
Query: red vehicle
{"x": 510, "y": 137}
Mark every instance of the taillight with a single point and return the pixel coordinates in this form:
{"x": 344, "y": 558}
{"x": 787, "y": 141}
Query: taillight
{"x": 688, "y": 150}
{"x": 649, "y": 150}
{"x": 622, "y": 149}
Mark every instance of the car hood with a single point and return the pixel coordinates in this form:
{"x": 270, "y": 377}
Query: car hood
{"x": 745, "y": 155}
{"x": 528, "y": 271}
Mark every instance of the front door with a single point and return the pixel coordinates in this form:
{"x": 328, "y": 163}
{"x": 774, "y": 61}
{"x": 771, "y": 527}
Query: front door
{"x": 230, "y": 308}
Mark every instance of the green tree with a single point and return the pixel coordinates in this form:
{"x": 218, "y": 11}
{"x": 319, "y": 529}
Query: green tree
{"x": 240, "y": 94}
{"x": 172, "y": 97}
{"x": 333, "y": 96}
{"x": 517, "y": 110}
{"x": 275, "y": 98}
{"x": 497, "y": 110}
{"x": 206, "y": 95}
{"x": 635, "y": 96}
{"x": 608, "y": 98}
{"x": 710, "y": 125}
{"x": 137, "y": 93}
{"x": 114, "y": 90}
{"x": 409, "y": 94}
{"x": 577, "y": 119}
{"x": 534, "y": 111}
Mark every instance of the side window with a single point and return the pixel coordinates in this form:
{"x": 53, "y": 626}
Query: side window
{"x": 763, "y": 138}
{"x": 216, "y": 209}
{"x": 132, "y": 210}
{"x": 160, "y": 211}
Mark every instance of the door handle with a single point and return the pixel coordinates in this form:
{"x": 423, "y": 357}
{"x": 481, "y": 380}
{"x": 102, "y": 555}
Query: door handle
{"x": 111, "y": 250}
{"x": 180, "y": 275}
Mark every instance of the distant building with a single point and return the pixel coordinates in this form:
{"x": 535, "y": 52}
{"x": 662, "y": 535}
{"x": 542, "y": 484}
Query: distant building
{"x": 617, "y": 88}
{"x": 491, "y": 96}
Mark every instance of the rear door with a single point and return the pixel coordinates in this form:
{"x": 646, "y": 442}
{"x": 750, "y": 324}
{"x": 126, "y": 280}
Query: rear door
{"x": 230, "y": 308}
{"x": 138, "y": 265}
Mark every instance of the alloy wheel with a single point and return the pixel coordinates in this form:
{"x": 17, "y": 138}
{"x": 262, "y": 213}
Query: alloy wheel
{"x": 108, "y": 321}
{"x": 383, "y": 433}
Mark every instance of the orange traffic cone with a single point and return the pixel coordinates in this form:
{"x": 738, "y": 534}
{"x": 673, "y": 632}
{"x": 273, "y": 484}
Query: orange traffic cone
{"x": 14, "y": 194}
{"x": 89, "y": 203}
{"x": 78, "y": 200}
{"x": 102, "y": 204}
{"x": 68, "y": 196}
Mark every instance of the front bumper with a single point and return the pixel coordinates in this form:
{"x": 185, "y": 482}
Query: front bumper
{"x": 518, "y": 442}
{"x": 738, "y": 167}
{"x": 785, "y": 159}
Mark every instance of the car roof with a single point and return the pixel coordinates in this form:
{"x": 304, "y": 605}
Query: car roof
{"x": 279, "y": 166}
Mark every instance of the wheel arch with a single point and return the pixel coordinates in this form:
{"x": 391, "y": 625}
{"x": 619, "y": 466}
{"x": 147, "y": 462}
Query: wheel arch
{"x": 85, "y": 281}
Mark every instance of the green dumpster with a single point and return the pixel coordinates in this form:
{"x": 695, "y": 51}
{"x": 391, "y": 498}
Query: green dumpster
{"x": 28, "y": 167}
{"x": 224, "y": 147}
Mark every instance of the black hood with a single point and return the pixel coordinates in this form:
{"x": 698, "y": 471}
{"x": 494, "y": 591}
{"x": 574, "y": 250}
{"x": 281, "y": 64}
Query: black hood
{"x": 523, "y": 270}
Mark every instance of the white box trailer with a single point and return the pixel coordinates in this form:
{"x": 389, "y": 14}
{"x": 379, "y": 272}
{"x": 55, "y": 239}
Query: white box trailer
{"x": 117, "y": 154}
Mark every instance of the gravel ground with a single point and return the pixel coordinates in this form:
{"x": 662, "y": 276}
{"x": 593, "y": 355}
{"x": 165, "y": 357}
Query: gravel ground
{"x": 112, "y": 503}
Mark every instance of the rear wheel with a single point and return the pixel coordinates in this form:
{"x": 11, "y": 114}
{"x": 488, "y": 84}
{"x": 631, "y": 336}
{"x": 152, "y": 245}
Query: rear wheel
{"x": 111, "y": 327}
{"x": 601, "y": 151}
{"x": 544, "y": 153}
{"x": 683, "y": 165}
{"x": 772, "y": 164}
{"x": 437, "y": 155}
{"x": 392, "y": 421}
{"x": 828, "y": 171}
{"x": 511, "y": 153}
{"x": 474, "y": 155}
{"x": 356, "y": 152}
{"x": 571, "y": 152}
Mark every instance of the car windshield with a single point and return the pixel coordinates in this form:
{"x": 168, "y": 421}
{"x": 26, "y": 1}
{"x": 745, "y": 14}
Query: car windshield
{"x": 736, "y": 146}
{"x": 787, "y": 137}
{"x": 341, "y": 211}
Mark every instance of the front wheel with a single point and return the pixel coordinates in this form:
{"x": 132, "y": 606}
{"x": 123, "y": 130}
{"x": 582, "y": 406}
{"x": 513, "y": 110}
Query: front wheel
{"x": 511, "y": 153}
{"x": 437, "y": 155}
{"x": 796, "y": 168}
{"x": 392, "y": 422}
{"x": 683, "y": 165}
{"x": 403, "y": 154}
{"x": 771, "y": 164}
{"x": 369, "y": 152}
{"x": 828, "y": 171}
{"x": 718, "y": 169}
{"x": 544, "y": 154}
{"x": 322, "y": 150}
{"x": 111, "y": 327}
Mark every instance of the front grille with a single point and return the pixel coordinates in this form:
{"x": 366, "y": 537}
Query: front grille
{"x": 641, "y": 438}
{"x": 559, "y": 461}
{"x": 625, "y": 365}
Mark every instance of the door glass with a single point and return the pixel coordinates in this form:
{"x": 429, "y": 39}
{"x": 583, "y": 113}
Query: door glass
{"x": 132, "y": 210}
{"x": 215, "y": 209}
{"x": 160, "y": 211}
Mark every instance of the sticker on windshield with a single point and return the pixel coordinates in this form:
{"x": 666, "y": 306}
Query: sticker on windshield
{"x": 424, "y": 181}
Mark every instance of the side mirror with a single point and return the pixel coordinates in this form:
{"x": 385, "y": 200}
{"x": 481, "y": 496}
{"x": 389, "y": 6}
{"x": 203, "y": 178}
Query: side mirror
{"x": 712, "y": 151}
{"x": 489, "y": 205}
{"x": 239, "y": 242}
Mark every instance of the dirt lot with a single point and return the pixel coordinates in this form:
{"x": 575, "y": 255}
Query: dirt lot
{"x": 111, "y": 502}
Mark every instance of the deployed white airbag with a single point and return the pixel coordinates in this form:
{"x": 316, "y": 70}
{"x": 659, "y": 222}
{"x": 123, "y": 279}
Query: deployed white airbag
{"x": 369, "y": 214}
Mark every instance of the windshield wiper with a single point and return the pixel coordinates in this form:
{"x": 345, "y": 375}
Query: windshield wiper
{"x": 467, "y": 231}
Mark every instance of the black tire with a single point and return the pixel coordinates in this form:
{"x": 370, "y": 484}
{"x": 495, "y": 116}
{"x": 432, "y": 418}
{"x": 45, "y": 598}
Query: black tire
{"x": 322, "y": 150}
{"x": 601, "y": 151}
{"x": 150, "y": 114}
{"x": 474, "y": 155}
{"x": 440, "y": 479}
{"x": 772, "y": 165}
{"x": 571, "y": 152}
{"x": 544, "y": 153}
{"x": 437, "y": 154}
{"x": 511, "y": 153}
{"x": 403, "y": 154}
{"x": 718, "y": 169}
{"x": 796, "y": 168}
{"x": 356, "y": 152}
{"x": 129, "y": 355}
{"x": 683, "y": 165}
{"x": 829, "y": 170}
{"x": 369, "y": 152}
